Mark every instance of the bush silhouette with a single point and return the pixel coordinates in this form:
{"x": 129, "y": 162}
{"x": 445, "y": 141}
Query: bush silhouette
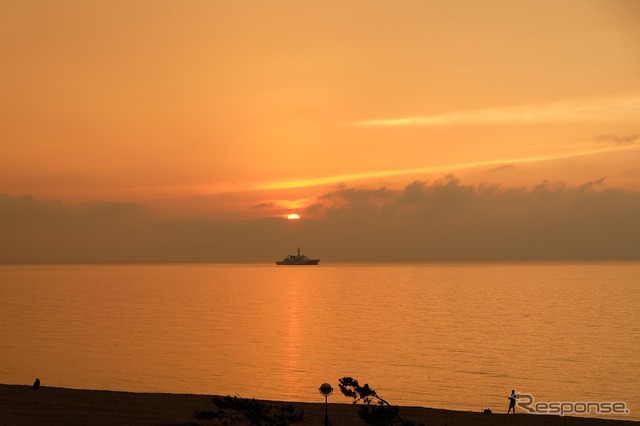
{"x": 376, "y": 411}
{"x": 234, "y": 410}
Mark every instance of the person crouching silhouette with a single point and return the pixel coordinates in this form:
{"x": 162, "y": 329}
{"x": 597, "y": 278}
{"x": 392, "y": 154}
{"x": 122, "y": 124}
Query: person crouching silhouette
{"x": 36, "y": 384}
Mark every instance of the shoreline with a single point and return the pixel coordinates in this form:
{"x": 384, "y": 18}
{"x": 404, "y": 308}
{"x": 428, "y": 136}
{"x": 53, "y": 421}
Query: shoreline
{"x": 21, "y": 405}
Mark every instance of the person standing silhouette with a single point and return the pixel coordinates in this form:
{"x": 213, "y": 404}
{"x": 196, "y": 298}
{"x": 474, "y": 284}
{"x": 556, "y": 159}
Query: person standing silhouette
{"x": 512, "y": 401}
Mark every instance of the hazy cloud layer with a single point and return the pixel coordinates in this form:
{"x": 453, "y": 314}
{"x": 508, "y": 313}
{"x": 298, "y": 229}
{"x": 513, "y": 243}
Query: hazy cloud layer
{"x": 440, "y": 220}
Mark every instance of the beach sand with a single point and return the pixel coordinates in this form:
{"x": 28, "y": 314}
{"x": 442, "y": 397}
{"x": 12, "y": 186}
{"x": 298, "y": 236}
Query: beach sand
{"x": 25, "y": 406}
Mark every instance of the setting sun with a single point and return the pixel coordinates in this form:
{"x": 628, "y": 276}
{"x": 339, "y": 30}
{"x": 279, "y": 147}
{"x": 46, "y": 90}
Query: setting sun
{"x": 293, "y": 216}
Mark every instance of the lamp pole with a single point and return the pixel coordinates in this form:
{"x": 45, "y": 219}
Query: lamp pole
{"x": 326, "y": 390}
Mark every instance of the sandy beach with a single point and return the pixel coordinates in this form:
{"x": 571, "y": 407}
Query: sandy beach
{"x": 24, "y": 406}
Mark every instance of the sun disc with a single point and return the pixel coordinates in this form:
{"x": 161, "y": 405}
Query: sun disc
{"x": 293, "y": 216}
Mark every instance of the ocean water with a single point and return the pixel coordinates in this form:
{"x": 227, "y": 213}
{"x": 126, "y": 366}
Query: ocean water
{"x": 446, "y": 335}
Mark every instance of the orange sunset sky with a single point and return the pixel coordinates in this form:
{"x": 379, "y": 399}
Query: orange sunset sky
{"x": 187, "y": 130}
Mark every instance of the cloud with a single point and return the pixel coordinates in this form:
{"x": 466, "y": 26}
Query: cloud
{"x": 265, "y": 205}
{"x": 632, "y": 173}
{"x": 561, "y": 112}
{"x": 502, "y": 168}
{"x": 449, "y": 220}
{"x": 619, "y": 139}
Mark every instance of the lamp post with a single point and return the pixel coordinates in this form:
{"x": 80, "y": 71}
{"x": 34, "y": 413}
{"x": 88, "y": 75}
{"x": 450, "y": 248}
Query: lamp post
{"x": 326, "y": 390}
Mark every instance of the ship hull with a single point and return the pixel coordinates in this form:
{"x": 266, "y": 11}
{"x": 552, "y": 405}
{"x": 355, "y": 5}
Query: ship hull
{"x": 306, "y": 262}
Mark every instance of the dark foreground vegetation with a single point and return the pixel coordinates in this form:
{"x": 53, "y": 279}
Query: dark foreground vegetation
{"x": 25, "y": 406}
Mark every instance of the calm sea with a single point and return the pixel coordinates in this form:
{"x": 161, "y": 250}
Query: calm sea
{"x": 451, "y": 335}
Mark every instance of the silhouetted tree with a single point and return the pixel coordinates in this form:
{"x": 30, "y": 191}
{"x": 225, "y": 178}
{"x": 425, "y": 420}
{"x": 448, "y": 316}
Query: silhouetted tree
{"x": 376, "y": 411}
{"x": 234, "y": 410}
